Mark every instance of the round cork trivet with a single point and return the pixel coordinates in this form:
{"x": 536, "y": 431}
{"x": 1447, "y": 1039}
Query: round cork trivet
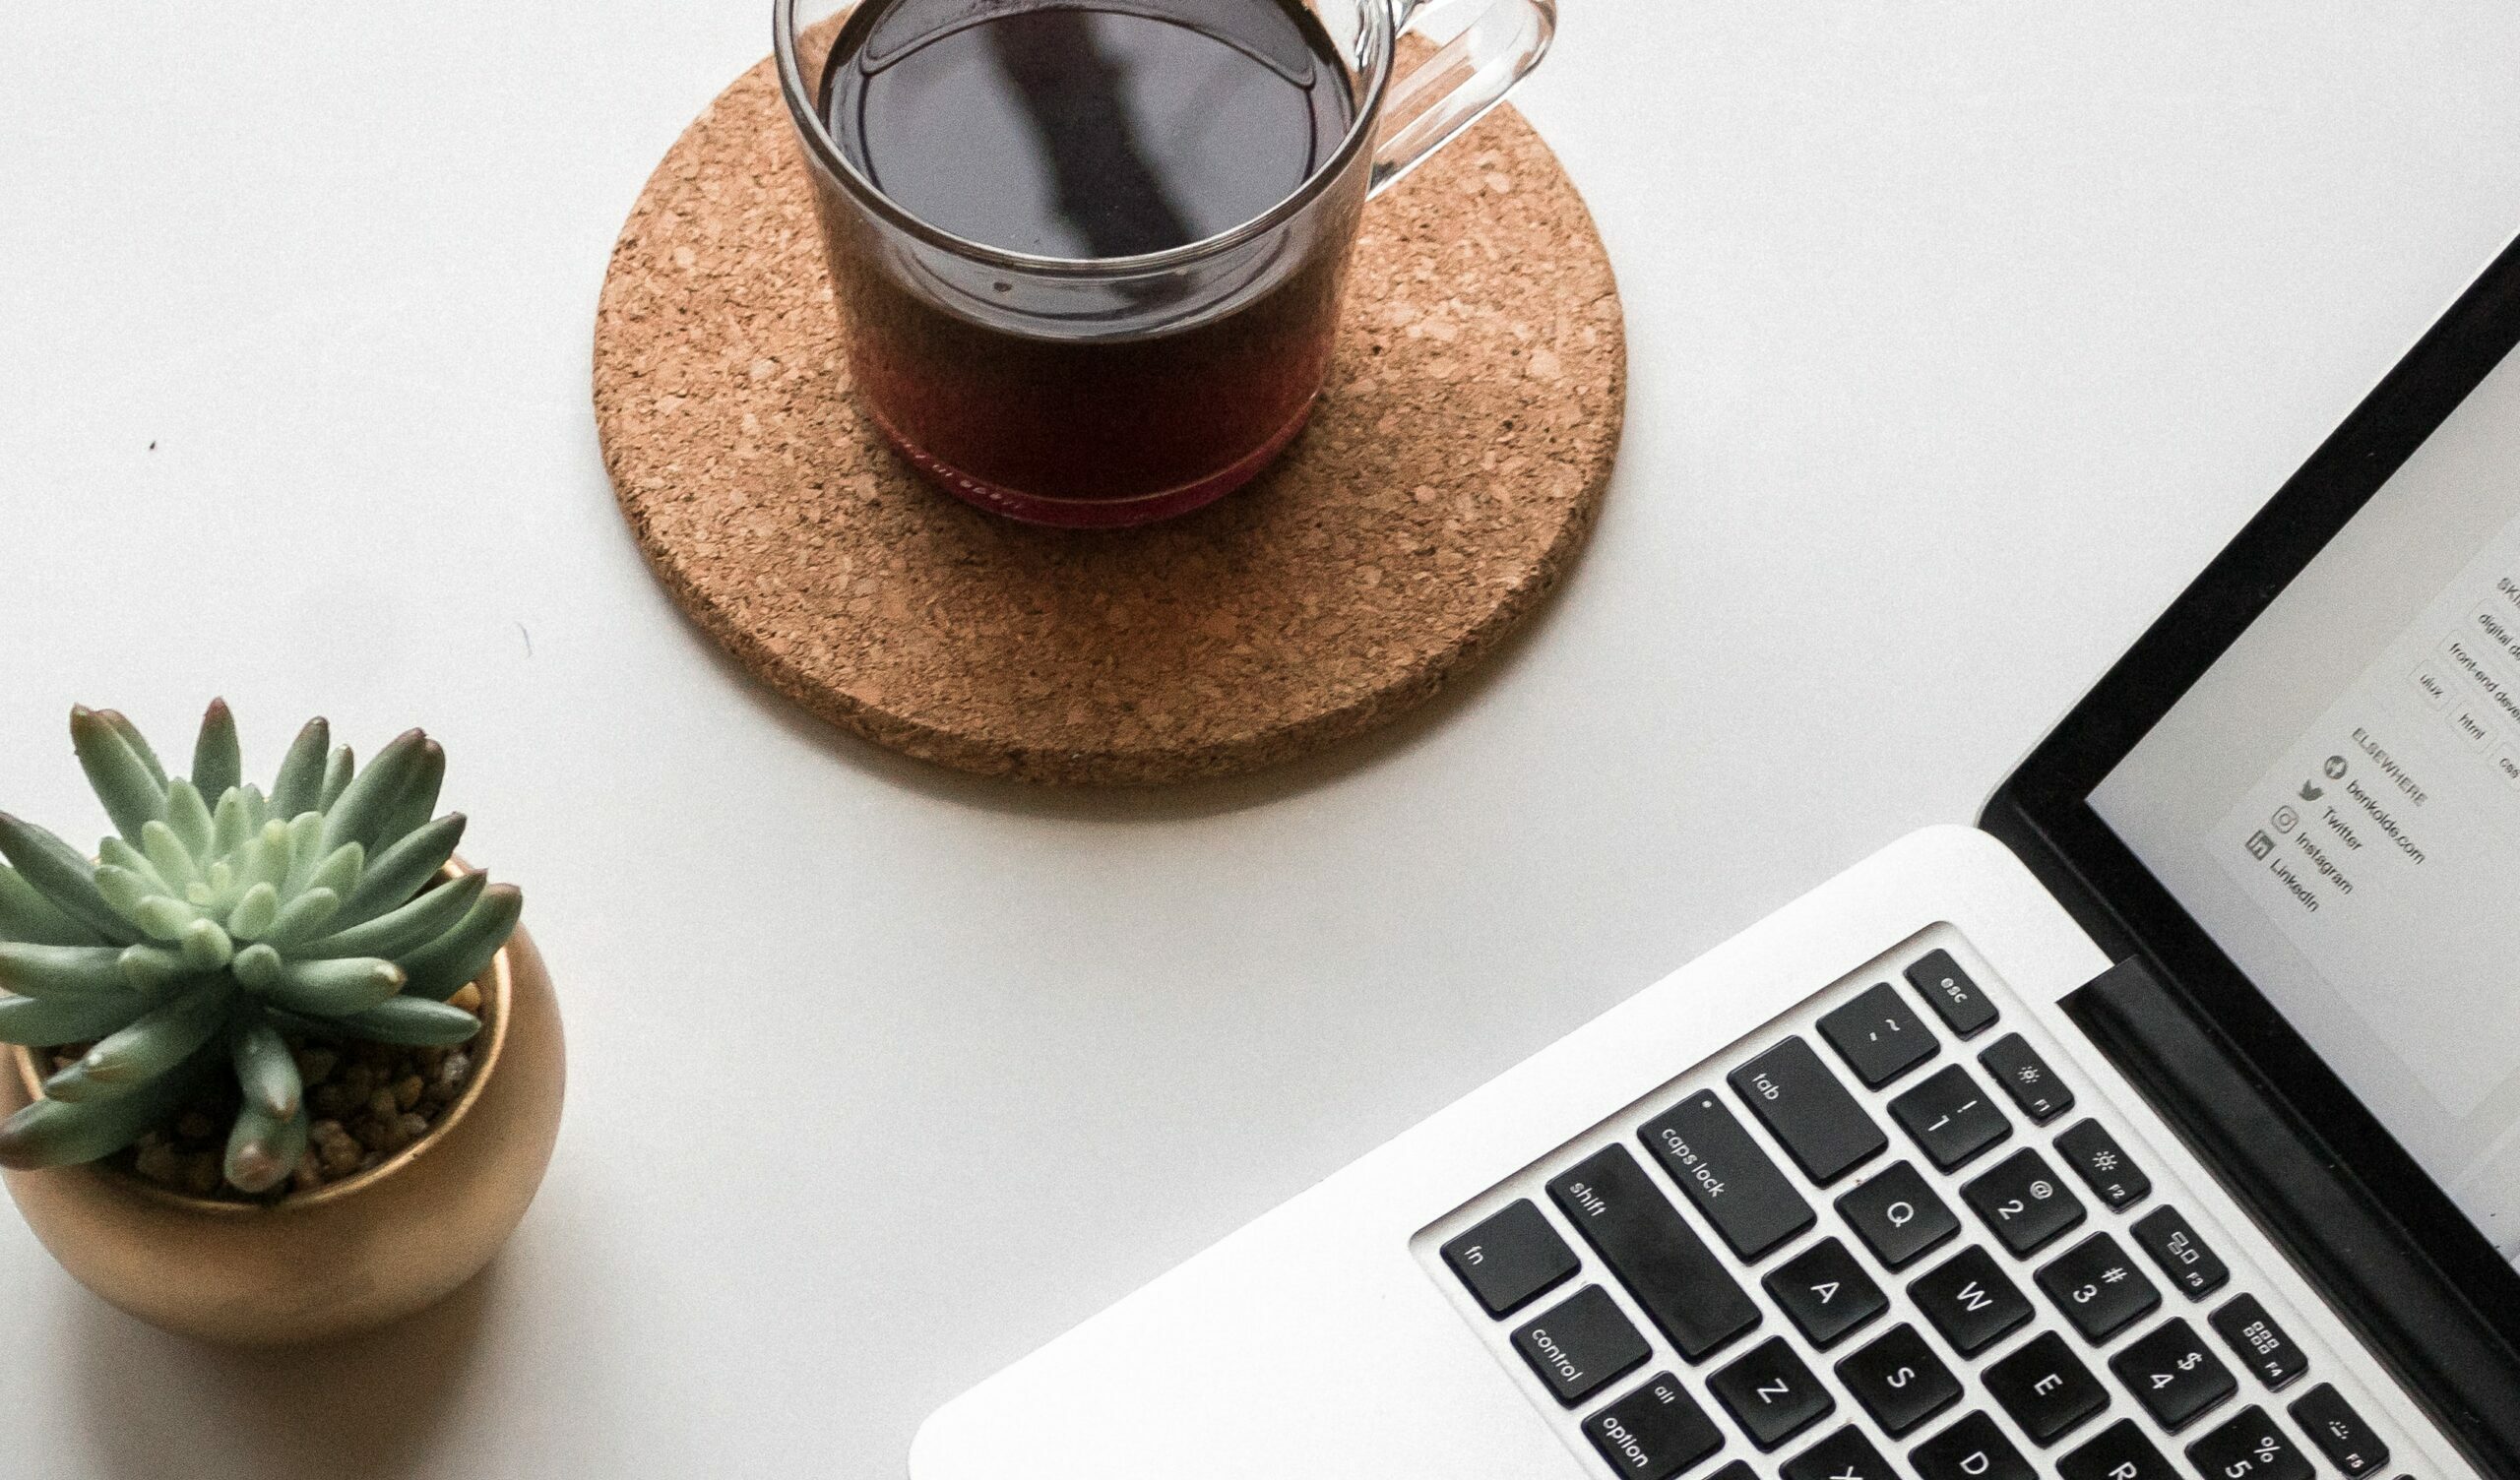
{"x": 1450, "y": 472}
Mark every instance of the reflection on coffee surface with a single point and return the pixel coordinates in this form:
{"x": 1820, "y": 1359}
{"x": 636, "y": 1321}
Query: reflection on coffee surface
{"x": 1080, "y": 132}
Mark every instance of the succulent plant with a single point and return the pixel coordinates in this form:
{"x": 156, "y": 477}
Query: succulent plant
{"x": 221, "y": 920}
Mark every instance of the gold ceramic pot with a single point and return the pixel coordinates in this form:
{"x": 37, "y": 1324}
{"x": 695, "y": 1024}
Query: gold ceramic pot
{"x": 349, "y": 1256}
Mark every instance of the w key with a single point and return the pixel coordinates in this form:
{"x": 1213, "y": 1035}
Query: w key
{"x": 1793, "y": 1094}
{"x": 1666, "y": 1265}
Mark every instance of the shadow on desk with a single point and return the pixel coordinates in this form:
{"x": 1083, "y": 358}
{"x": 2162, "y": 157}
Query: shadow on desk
{"x": 163, "y": 1405}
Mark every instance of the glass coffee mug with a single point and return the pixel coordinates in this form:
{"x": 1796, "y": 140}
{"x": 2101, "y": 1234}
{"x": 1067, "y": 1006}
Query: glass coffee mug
{"x": 1089, "y": 254}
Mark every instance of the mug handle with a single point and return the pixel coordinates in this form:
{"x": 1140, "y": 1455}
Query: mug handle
{"x": 1452, "y": 90}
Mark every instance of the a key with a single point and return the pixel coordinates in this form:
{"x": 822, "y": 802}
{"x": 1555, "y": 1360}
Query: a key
{"x": 2103, "y": 1165}
{"x": 2175, "y": 1248}
{"x": 1948, "y": 990}
{"x": 2098, "y": 1288}
{"x": 1738, "y": 1469}
{"x": 1654, "y": 1433}
{"x": 1825, "y": 1293}
{"x": 2174, "y": 1376}
{"x": 2025, "y": 1205}
{"x": 2340, "y": 1432}
{"x": 1771, "y": 1393}
{"x": 1664, "y": 1264}
{"x": 1511, "y": 1260}
{"x": 2046, "y": 1388}
{"x": 1899, "y": 1216}
{"x": 1844, "y": 1455}
{"x": 2249, "y": 1448}
{"x": 1793, "y": 1094}
{"x": 1949, "y": 1118}
{"x": 1723, "y": 1172}
{"x": 2259, "y": 1344}
{"x": 1879, "y": 1036}
{"x": 1974, "y": 1449}
{"x": 1970, "y": 1301}
{"x": 1899, "y": 1381}
{"x": 2013, "y": 1064}
{"x": 1582, "y": 1346}
{"x": 2120, "y": 1451}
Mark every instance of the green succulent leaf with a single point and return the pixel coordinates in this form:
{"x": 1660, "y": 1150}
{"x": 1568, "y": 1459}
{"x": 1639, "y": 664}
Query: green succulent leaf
{"x": 133, "y": 791}
{"x": 419, "y": 801}
{"x": 218, "y": 761}
{"x": 190, "y": 817}
{"x": 61, "y": 876}
{"x": 255, "y": 913}
{"x": 264, "y": 1069}
{"x": 62, "y": 972}
{"x": 205, "y": 947}
{"x": 165, "y": 919}
{"x": 229, "y": 823}
{"x": 155, "y": 1042}
{"x": 359, "y": 813}
{"x": 403, "y": 870}
{"x": 299, "y": 786}
{"x": 333, "y": 988}
{"x": 49, "y": 1022}
{"x": 438, "y": 969}
{"x": 59, "y": 1133}
{"x": 114, "y": 852}
{"x": 168, "y": 854}
{"x": 125, "y": 890}
{"x": 413, "y": 1020}
{"x": 264, "y": 1148}
{"x": 305, "y": 847}
{"x": 306, "y": 914}
{"x": 257, "y": 965}
{"x": 26, "y": 916}
{"x": 414, "y": 925}
{"x": 152, "y": 969}
{"x": 338, "y": 771}
{"x": 138, "y": 744}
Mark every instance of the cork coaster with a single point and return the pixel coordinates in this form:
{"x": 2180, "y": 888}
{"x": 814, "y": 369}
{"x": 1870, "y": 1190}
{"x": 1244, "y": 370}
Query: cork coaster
{"x": 1449, "y": 475}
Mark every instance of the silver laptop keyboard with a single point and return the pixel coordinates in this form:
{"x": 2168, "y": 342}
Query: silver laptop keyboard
{"x": 1886, "y": 1225}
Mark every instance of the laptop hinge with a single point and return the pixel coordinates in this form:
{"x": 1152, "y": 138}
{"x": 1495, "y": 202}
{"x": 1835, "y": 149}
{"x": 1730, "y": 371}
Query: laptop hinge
{"x": 2415, "y": 1320}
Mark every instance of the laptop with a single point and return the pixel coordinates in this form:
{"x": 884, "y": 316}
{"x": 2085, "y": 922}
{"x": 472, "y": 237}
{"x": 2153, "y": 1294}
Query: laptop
{"x": 2165, "y": 1126}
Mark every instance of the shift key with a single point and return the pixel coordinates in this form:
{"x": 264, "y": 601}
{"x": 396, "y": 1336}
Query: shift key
{"x": 1725, "y": 1175}
{"x": 1680, "y": 1283}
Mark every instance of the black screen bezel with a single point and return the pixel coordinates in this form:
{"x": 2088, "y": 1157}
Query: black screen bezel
{"x": 2044, "y": 811}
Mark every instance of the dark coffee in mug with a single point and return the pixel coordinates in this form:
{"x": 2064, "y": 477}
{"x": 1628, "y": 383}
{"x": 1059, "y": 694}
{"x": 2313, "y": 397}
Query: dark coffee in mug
{"x": 1086, "y": 133}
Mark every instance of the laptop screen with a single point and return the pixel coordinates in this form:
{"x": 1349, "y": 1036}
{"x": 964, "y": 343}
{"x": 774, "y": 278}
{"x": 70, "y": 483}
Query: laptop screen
{"x": 2337, "y": 802}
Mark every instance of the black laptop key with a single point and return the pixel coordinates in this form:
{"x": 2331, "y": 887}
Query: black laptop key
{"x": 1664, "y": 1264}
{"x": 2174, "y": 1376}
{"x": 2025, "y": 1205}
{"x": 1973, "y": 1449}
{"x": 1796, "y": 1096}
{"x": 1723, "y": 1172}
{"x": 1844, "y": 1455}
{"x": 1899, "y": 1216}
{"x": 2120, "y": 1451}
{"x": 1582, "y": 1346}
{"x": 2342, "y": 1436}
{"x": 2016, "y": 1067}
{"x": 2259, "y": 1344}
{"x": 2098, "y": 1288}
{"x": 1654, "y": 1433}
{"x": 1738, "y": 1469}
{"x": 1970, "y": 1301}
{"x": 2179, "y": 1252}
{"x": 1948, "y": 990}
{"x": 1771, "y": 1394}
{"x": 1899, "y": 1381}
{"x": 1511, "y": 1260}
{"x": 2103, "y": 1165}
{"x": 1825, "y": 1293}
{"x": 2249, "y": 1448}
{"x": 2046, "y": 1388}
{"x": 1949, "y": 1118}
{"x": 1879, "y": 1036}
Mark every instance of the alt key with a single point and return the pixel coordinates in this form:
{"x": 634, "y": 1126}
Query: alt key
{"x": 1654, "y": 1431}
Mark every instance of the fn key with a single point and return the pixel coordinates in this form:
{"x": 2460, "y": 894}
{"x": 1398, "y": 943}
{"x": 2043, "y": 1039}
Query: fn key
{"x": 1511, "y": 1260}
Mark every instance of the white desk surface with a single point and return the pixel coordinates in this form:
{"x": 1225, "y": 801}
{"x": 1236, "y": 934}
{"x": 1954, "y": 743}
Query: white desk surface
{"x": 1963, "y": 333}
